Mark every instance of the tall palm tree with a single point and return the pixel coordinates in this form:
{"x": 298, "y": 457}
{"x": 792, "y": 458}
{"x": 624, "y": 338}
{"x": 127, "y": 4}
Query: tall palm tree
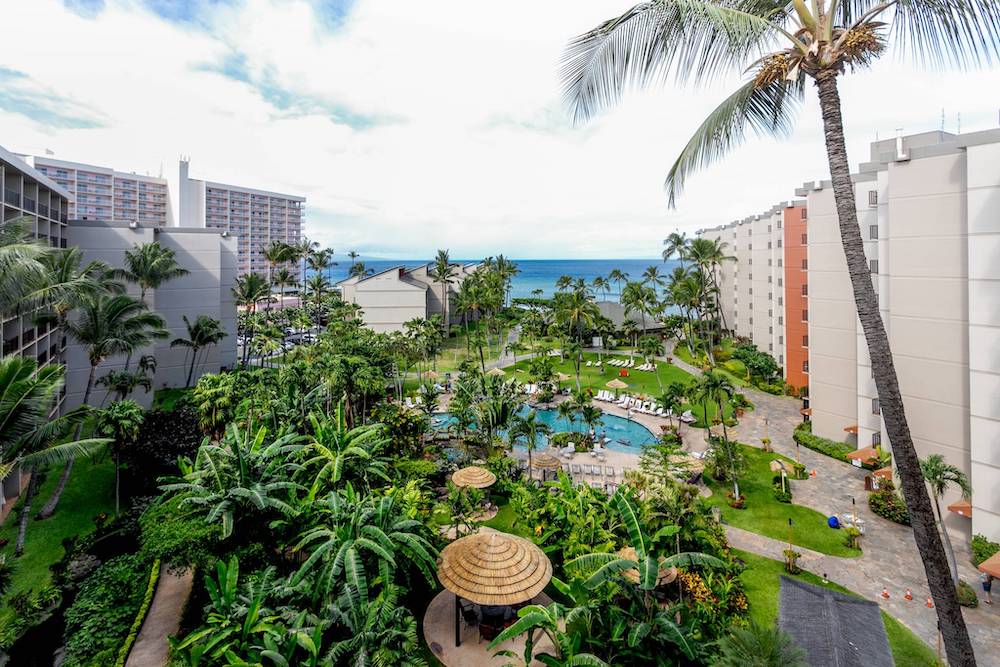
{"x": 204, "y": 332}
{"x": 248, "y": 292}
{"x": 277, "y": 252}
{"x": 634, "y": 298}
{"x": 784, "y": 46}
{"x": 600, "y": 284}
{"x": 675, "y": 245}
{"x": 360, "y": 270}
{"x": 618, "y": 277}
{"x": 318, "y": 261}
{"x": 529, "y": 428}
{"x": 149, "y": 265}
{"x": 68, "y": 281}
{"x": 120, "y": 422}
{"x": 714, "y": 387}
{"x": 443, "y": 272}
{"x": 29, "y": 435}
{"x": 281, "y": 279}
{"x": 940, "y": 475}
{"x": 353, "y": 255}
{"x": 106, "y": 326}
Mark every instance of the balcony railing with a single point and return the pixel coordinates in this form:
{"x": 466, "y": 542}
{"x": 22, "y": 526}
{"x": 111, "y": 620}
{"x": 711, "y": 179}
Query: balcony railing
{"x": 12, "y": 197}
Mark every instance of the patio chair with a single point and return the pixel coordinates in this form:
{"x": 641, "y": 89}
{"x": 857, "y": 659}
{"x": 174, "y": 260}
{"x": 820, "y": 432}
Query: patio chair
{"x": 576, "y": 469}
{"x": 590, "y": 363}
{"x": 601, "y": 457}
{"x": 609, "y": 472}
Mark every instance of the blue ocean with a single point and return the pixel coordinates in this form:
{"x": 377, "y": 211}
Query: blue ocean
{"x": 534, "y": 273}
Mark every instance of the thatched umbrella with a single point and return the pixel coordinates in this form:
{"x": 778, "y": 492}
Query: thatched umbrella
{"x": 474, "y": 476}
{"x": 492, "y": 569}
{"x": 663, "y": 576}
{"x": 496, "y": 372}
{"x": 616, "y": 384}
{"x": 544, "y": 461}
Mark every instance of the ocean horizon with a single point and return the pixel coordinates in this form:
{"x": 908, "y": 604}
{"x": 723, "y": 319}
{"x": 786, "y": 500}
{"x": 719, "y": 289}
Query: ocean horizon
{"x": 535, "y": 274}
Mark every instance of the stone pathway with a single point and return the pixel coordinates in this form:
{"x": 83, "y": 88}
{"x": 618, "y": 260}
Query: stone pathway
{"x": 163, "y": 620}
{"x": 890, "y": 557}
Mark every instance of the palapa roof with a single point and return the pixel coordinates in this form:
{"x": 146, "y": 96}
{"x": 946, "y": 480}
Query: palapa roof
{"x": 543, "y": 460}
{"x": 474, "y": 476}
{"x": 663, "y": 577}
{"x": 833, "y": 628}
{"x": 493, "y": 568}
{"x": 616, "y": 384}
{"x": 562, "y": 377}
{"x": 496, "y": 371}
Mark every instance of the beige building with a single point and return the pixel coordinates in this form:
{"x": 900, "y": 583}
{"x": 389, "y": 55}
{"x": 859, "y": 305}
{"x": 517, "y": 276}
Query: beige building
{"x": 392, "y": 297}
{"x": 929, "y": 211}
{"x": 210, "y": 259}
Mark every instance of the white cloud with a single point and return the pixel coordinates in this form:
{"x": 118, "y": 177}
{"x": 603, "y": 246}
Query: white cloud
{"x": 466, "y": 145}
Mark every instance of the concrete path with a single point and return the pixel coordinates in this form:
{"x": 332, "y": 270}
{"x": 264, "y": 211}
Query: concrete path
{"x": 890, "y": 559}
{"x": 163, "y": 620}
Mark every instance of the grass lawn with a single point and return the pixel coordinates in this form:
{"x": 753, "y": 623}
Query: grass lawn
{"x": 639, "y": 382}
{"x": 89, "y": 492}
{"x": 167, "y": 399}
{"x": 766, "y": 516}
{"x": 732, "y": 369}
{"x": 761, "y": 581}
{"x": 505, "y": 520}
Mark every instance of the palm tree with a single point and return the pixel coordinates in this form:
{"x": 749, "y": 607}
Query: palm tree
{"x": 334, "y": 448}
{"x": 249, "y": 291}
{"x": 120, "y": 422}
{"x": 940, "y": 475}
{"x": 277, "y": 252}
{"x": 107, "y": 325}
{"x": 202, "y": 333}
{"x": 123, "y": 382}
{"x": 700, "y": 40}
{"x": 360, "y": 270}
{"x": 675, "y": 245}
{"x": 635, "y": 298}
{"x": 600, "y": 284}
{"x": 29, "y": 436}
{"x": 714, "y": 387}
{"x": 576, "y": 310}
{"x": 353, "y": 255}
{"x": 759, "y": 646}
{"x": 649, "y": 348}
{"x": 281, "y": 279}
{"x": 21, "y": 263}
{"x": 68, "y": 281}
{"x": 618, "y": 277}
{"x": 529, "y": 428}
{"x": 149, "y": 265}
{"x": 443, "y": 272}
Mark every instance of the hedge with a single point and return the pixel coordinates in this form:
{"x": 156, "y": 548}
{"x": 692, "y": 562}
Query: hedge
{"x": 982, "y": 549}
{"x": 839, "y": 450}
{"x": 147, "y": 600}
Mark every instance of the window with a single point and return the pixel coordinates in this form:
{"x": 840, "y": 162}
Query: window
{"x": 781, "y": 320}
{"x": 770, "y": 279}
{"x": 768, "y": 245}
{"x": 805, "y": 264}
{"x": 873, "y": 232}
{"x": 875, "y": 406}
{"x": 770, "y": 313}
{"x": 780, "y": 262}
{"x": 770, "y": 297}
{"x": 873, "y": 197}
{"x": 873, "y": 265}
{"x": 781, "y": 340}
{"x": 805, "y": 289}
{"x": 780, "y": 301}
{"x": 779, "y": 243}
{"x": 804, "y": 213}
{"x": 750, "y": 262}
{"x": 876, "y": 439}
{"x": 770, "y": 347}
{"x": 781, "y": 360}
{"x": 779, "y": 224}
{"x": 769, "y": 229}
{"x": 805, "y": 366}
{"x": 805, "y": 239}
{"x": 751, "y": 319}
{"x": 805, "y": 315}
{"x": 770, "y": 262}
{"x": 749, "y": 246}
{"x": 779, "y": 282}
{"x": 805, "y": 341}
{"x": 770, "y": 330}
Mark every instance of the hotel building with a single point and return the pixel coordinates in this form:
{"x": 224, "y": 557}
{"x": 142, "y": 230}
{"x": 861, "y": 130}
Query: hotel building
{"x": 392, "y": 297}
{"x": 27, "y": 192}
{"x": 256, "y": 217}
{"x": 101, "y": 193}
{"x": 763, "y": 287}
{"x": 929, "y": 212}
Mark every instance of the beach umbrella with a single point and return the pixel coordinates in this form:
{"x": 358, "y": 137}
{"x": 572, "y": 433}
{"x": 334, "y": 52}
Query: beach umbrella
{"x": 496, "y": 372}
{"x": 494, "y": 569}
{"x": 616, "y": 384}
{"x": 474, "y": 476}
{"x": 544, "y": 461}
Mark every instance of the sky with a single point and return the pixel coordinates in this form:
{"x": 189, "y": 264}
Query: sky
{"x": 420, "y": 124}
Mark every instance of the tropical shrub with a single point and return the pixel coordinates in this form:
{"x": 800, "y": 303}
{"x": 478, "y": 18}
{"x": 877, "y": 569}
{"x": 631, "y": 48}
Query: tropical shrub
{"x": 100, "y": 617}
{"x": 982, "y": 549}
{"x": 405, "y": 428}
{"x": 759, "y": 645}
{"x": 966, "y": 594}
{"x": 176, "y": 536}
{"x": 888, "y": 504}
{"x": 839, "y": 450}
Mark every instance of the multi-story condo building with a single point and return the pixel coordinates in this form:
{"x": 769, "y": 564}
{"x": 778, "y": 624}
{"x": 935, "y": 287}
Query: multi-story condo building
{"x": 929, "y": 212}
{"x": 762, "y": 292}
{"x": 392, "y": 297}
{"x": 30, "y": 194}
{"x": 101, "y": 193}
{"x": 207, "y": 289}
{"x": 256, "y": 217}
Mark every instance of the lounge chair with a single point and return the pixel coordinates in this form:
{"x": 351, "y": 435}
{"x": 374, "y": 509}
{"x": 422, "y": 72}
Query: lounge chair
{"x": 609, "y": 472}
{"x": 688, "y": 418}
{"x": 597, "y": 486}
{"x": 576, "y": 469}
{"x": 590, "y": 363}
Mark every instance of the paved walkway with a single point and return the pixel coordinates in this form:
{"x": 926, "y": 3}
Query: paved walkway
{"x": 890, "y": 557}
{"x": 151, "y": 648}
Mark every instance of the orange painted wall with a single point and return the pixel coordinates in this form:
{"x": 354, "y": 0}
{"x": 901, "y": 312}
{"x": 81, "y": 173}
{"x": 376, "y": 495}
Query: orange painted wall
{"x": 796, "y": 330}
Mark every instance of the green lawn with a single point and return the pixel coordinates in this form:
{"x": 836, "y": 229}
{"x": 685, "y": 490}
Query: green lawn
{"x": 504, "y": 522}
{"x": 732, "y": 369}
{"x": 761, "y": 580}
{"x": 639, "y": 382}
{"x": 167, "y": 399}
{"x": 766, "y": 516}
{"x": 89, "y": 492}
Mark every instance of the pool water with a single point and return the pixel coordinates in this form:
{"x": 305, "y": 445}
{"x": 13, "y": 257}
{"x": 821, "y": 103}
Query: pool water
{"x": 624, "y": 434}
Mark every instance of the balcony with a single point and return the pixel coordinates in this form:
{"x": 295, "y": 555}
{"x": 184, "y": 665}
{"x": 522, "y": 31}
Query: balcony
{"x": 27, "y": 203}
{"x": 12, "y": 197}
{"x": 11, "y": 346}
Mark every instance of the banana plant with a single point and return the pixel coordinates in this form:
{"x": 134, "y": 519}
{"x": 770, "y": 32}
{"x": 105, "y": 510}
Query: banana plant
{"x": 552, "y": 621}
{"x": 334, "y": 448}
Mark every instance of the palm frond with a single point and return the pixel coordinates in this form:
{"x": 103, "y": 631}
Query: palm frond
{"x": 768, "y": 110}
{"x": 692, "y": 40}
{"x": 941, "y": 33}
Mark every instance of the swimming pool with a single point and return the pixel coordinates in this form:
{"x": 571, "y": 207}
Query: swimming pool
{"x": 624, "y": 434}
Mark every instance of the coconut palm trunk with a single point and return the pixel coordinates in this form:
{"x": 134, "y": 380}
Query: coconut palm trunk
{"x": 22, "y": 525}
{"x": 949, "y": 549}
{"x": 925, "y": 532}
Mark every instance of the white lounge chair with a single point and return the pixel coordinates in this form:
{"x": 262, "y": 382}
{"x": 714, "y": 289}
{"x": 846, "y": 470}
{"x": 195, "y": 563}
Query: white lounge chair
{"x": 409, "y": 402}
{"x": 590, "y": 363}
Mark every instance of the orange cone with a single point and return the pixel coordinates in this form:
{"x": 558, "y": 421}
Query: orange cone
{"x": 885, "y": 592}
{"x": 909, "y": 594}
{"x": 930, "y": 603}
